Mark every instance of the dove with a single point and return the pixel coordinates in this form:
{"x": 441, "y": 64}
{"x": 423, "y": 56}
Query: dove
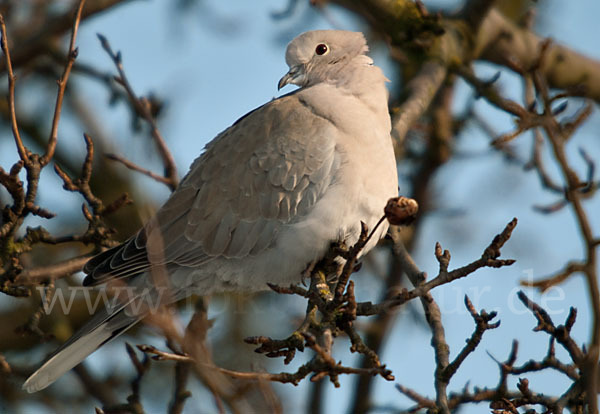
{"x": 264, "y": 201}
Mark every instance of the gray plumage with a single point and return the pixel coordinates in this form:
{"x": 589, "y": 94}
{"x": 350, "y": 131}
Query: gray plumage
{"x": 265, "y": 199}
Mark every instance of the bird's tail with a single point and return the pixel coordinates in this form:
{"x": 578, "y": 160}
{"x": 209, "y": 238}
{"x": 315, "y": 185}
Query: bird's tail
{"x": 104, "y": 326}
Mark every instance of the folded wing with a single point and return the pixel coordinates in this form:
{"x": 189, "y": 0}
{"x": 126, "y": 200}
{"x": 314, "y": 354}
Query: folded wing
{"x": 266, "y": 171}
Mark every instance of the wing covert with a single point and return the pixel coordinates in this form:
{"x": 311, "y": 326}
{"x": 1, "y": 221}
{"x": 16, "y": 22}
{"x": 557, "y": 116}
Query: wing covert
{"x": 253, "y": 178}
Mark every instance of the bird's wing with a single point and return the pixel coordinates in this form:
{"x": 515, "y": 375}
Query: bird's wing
{"x": 265, "y": 171}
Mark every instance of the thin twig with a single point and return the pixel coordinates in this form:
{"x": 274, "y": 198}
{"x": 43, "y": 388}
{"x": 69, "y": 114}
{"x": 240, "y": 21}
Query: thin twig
{"x": 134, "y": 167}
{"x": 23, "y": 151}
{"x": 142, "y": 107}
{"x": 62, "y": 84}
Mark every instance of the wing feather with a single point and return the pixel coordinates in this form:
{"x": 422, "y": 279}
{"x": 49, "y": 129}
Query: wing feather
{"x": 267, "y": 170}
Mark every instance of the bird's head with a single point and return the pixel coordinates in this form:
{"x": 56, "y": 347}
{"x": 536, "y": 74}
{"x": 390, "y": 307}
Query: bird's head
{"x": 321, "y": 55}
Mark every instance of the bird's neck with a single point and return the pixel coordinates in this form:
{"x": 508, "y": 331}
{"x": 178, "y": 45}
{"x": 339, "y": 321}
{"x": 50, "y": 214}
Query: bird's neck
{"x": 366, "y": 81}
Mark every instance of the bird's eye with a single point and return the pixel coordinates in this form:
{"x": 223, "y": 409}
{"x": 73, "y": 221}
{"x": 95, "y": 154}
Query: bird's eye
{"x": 321, "y": 49}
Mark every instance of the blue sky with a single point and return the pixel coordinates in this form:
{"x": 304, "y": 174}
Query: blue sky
{"x": 214, "y": 67}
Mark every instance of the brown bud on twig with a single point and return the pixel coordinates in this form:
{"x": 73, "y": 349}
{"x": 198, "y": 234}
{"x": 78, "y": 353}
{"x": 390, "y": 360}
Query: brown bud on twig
{"x": 401, "y": 210}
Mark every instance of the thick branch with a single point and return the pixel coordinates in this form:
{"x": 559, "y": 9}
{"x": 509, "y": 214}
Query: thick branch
{"x": 454, "y": 40}
{"x": 421, "y": 90}
{"x": 501, "y": 41}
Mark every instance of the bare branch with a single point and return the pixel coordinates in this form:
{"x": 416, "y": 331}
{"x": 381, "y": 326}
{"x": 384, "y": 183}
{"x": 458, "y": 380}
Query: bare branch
{"x": 35, "y": 276}
{"x": 475, "y": 11}
{"x": 36, "y": 43}
{"x": 134, "y": 167}
{"x": 547, "y": 282}
{"x": 142, "y": 107}
{"x": 503, "y": 42}
{"x": 23, "y": 152}
{"x": 421, "y": 90}
{"x": 482, "y": 323}
{"x": 62, "y": 84}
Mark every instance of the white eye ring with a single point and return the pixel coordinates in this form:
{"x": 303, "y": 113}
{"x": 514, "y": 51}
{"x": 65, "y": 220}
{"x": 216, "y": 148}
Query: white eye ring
{"x": 321, "y": 49}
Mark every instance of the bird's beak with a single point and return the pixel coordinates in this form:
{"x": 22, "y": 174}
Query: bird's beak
{"x": 295, "y": 76}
